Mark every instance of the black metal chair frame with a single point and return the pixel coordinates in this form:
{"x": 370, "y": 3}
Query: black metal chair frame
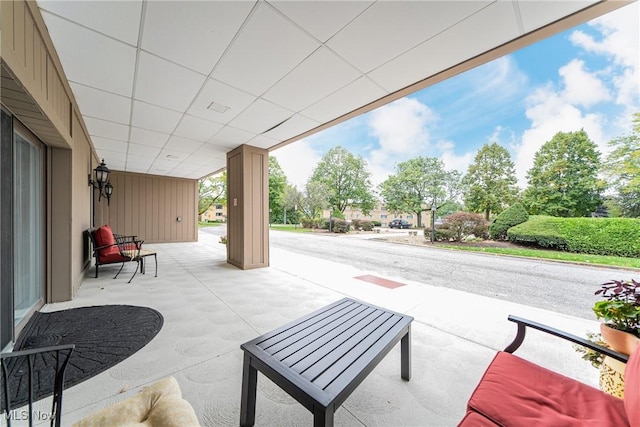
{"x": 138, "y": 254}
{"x": 522, "y": 329}
{"x": 125, "y": 241}
{"x": 62, "y": 354}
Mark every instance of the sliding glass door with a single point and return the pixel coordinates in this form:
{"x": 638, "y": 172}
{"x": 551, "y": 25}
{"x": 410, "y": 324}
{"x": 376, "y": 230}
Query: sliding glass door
{"x": 28, "y": 224}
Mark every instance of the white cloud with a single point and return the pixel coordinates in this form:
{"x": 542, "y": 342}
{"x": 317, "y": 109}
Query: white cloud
{"x": 581, "y": 87}
{"x": 620, "y": 42}
{"x": 453, "y": 161}
{"x": 297, "y": 160}
{"x": 401, "y": 129}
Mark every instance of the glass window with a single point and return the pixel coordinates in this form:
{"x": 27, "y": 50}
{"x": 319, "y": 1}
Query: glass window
{"x": 383, "y": 216}
{"x": 28, "y": 225}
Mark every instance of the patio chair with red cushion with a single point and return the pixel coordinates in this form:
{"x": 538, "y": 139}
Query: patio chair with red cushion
{"x": 111, "y": 248}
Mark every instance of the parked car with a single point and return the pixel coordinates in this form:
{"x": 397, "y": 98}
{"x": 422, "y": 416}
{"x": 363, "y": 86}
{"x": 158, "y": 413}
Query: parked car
{"x": 399, "y": 223}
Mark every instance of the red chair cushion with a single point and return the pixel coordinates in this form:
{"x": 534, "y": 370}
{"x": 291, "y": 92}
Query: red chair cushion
{"x": 514, "y": 392}
{"x": 632, "y": 388}
{"x": 112, "y": 254}
{"x": 104, "y": 237}
{"x": 473, "y": 419}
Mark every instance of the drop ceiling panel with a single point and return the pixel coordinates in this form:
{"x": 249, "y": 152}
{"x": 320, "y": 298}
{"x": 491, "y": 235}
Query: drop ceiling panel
{"x": 139, "y": 160}
{"x": 184, "y": 145}
{"x": 109, "y": 144}
{"x": 260, "y": 116}
{"x": 178, "y": 85}
{"x": 320, "y": 74}
{"x": 118, "y": 19}
{"x": 151, "y": 117}
{"x": 292, "y": 127}
{"x": 107, "y": 129}
{"x": 195, "y": 33}
{"x": 103, "y": 105}
{"x": 354, "y": 95}
{"x": 148, "y": 137}
{"x": 196, "y": 128}
{"x": 111, "y": 157}
{"x": 144, "y": 150}
{"x": 265, "y": 51}
{"x": 465, "y": 40}
{"x": 211, "y": 151}
{"x": 225, "y": 95}
{"x": 389, "y": 28}
{"x": 97, "y": 61}
{"x": 136, "y": 168}
{"x": 262, "y": 141}
{"x": 322, "y": 19}
{"x": 535, "y": 15}
{"x": 230, "y": 137}
{"x": 171, "y": 156}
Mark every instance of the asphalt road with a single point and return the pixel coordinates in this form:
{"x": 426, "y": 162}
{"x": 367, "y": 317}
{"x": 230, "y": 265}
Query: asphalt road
{"x": 560, "y": 287}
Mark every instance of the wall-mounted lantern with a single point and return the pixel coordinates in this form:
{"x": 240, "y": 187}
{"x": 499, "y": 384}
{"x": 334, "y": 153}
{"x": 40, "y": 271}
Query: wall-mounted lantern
{"x": 101, "y": 182}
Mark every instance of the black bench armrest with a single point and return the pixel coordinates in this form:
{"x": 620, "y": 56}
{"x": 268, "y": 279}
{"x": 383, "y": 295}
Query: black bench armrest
{"x": 524, "y": 323}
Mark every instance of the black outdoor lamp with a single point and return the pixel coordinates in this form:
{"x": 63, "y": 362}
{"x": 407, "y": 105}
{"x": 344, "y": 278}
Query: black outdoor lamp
{"x": 102, "y": 181}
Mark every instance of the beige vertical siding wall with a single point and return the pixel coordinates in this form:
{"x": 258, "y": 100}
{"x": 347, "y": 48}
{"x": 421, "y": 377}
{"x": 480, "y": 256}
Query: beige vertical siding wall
{"x": 148, "y": 206}
{"x": 36, "y": 92}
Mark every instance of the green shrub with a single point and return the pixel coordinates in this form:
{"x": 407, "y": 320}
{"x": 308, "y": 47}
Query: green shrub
{"x": 442, "y": 233}
{"x": 365, "y": 225}
{"x": 463, "y": 224}
{"x": 341, "y": 226}
{"x": 600, "y": 236}
{"x": 514, "y": 215}
{"x": 376, "y": 223}
{"x": 312, "y": 222}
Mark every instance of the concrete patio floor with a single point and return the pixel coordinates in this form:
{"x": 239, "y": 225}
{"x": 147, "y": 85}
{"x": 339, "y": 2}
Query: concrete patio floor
{"x": 211, "y": 307}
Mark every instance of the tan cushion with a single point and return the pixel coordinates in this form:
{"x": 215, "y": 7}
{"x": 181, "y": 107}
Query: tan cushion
{"x": 160, "y": 404}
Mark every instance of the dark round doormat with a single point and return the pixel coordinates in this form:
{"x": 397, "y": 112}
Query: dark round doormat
{"x": 103, "y": 336}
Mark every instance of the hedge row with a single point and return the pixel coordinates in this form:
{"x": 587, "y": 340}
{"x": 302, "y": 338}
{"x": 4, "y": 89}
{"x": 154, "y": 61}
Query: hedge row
{"x": 601, "y": 236}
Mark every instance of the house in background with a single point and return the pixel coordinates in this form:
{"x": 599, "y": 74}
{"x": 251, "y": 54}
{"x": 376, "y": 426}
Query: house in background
{"x": 216, "y": 213}
{"x": 165, "y": 103}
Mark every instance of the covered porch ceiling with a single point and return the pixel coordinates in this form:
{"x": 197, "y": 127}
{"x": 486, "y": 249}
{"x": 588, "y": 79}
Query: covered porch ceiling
{"x": 169, "y": 87}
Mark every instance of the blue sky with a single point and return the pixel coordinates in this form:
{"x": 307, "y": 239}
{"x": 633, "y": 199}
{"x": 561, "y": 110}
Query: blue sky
{"x": 587, "y": 77}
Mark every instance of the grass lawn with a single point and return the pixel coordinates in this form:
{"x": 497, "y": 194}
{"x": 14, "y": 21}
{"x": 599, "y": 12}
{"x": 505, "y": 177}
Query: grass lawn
{"x": 556, "y": 255}
{"x": 290, "y": 227}
{"x": 209, "y": 224}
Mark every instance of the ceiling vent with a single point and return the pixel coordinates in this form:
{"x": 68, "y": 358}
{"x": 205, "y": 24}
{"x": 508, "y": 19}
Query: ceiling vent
{"x": 218, "y": 108}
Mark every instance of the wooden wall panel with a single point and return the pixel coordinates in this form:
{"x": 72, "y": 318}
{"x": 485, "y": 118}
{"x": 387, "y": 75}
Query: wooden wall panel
{"x": 148, "y": 206}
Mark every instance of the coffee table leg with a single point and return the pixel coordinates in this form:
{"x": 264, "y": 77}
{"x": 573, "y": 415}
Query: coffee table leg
{"x": 248, "y": 402}
{"x": 405, "y": 355}
{"x": 323, "y": 417}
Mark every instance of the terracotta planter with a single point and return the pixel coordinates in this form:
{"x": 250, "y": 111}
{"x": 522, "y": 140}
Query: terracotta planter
{"x": 618, "y": 340}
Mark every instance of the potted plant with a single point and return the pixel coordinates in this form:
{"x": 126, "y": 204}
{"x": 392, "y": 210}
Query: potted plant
{"x": 620, "y": 310}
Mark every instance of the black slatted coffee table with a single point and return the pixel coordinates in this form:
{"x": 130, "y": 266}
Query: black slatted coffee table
{"x": 321, "y": 358}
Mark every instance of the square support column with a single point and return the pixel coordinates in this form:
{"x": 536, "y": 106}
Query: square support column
{"x": 248, "y": 207}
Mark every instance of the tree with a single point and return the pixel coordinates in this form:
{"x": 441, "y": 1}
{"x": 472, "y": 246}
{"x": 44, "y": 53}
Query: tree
{"x": 212, "y": 189}
{"x": 314, "y": 199}
{"x": 623, "y": 170}
{"x": 419, "y": 184}
{"x": 277, "y": 185}
{"x": 563, "y": 180}
{"x": 346, "y": 179}
{"x": 490, "y": 182}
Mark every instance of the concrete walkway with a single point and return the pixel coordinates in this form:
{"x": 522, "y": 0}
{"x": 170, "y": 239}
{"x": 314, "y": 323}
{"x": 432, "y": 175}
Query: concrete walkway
{"x": 210, "y": 308}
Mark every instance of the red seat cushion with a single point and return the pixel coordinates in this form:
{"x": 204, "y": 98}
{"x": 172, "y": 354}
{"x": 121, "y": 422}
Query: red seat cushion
{"x": 112, "y": 254}
{"x": 104, "y": 237}
{"x": 632, "y": 388}
{"x": 514, "y": 392}
{"x": 474, "y": 419}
